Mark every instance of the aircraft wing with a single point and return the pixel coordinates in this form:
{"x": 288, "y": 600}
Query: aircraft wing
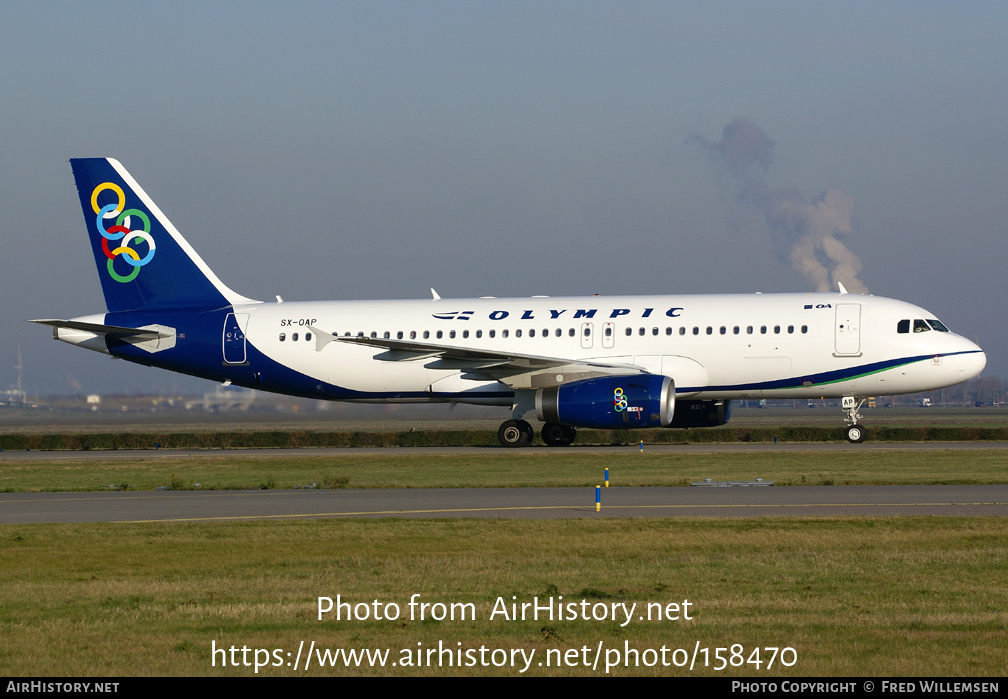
{"x": 511, "y": 368}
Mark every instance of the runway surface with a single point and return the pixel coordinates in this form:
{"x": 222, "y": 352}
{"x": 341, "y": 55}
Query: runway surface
{"x": 529, "y": 503}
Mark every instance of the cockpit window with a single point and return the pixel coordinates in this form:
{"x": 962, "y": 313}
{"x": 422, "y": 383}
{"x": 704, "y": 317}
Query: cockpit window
{"x": 937, "y": 325}
{"x": 921, "y": 326}
{"x": 903, "y": 326}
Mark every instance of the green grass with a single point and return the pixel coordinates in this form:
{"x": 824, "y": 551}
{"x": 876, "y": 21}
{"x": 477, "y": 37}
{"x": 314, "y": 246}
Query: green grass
{"x": 766, "y": 431}
{"x": 496, "y": 468}
{"x": 853, "y": 596}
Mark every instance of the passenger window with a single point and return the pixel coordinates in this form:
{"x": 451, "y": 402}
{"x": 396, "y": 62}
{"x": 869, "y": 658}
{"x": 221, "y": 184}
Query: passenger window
{"x": 654, "y": 331}
{"x": 710, "y": 330}
{"x": 668, "y": 331}
{"x": 790, "y": 330}
{"x": 294, "y": 337}
{"x": 493, "y": 333}
{"x": 451, "y": 334}
{"x": 518, "y": 332}
{"x": 387, "y": 335}
{"x": 398, "y": 335}
{"x": 723, "y": 330}
{"x": 735, "y": 330}
{"x": 439, "y": 334}
{"x": 531, "y": 332}
{"x": 504, "y": 333}
{"x": 426, "y": 334}
{"x": 479, "y": 334}
{"x": 748, "y": 330}
{"x": 629, "y": 332}
{"x": 307, "y": 336}
{"x": 776, "y": 330}
{"x": 682, "y": 330}
{"x": 696, "y": 330}
{"x": 762, "y": 330}
{"x": 283, "y": 336}
{"x": 412, "y": 334}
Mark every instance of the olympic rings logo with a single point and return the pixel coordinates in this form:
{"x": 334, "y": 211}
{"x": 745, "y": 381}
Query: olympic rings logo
{"x": 619, "y": 401}
{"x": 122, "y": 232}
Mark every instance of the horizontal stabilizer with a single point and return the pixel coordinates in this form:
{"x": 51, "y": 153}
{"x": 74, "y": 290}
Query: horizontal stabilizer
{"x": 114, "y": 330}
{"x": 95, "y": 336}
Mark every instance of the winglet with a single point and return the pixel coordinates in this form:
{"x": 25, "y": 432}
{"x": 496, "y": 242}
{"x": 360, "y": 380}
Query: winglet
{"x": 435, "y": 294}
{"x": 842, "y": 289}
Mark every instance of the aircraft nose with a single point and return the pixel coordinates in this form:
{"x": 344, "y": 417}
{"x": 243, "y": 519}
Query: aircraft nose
{"x": 980, "y": 361}
{"x": 972, "y": 361}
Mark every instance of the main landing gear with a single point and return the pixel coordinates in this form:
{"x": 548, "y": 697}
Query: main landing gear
{"x": 855, "y": 432}
{"x": 558, "y": 435}
{"x": 518, "y": 433}
{"x": 515, "y": 433}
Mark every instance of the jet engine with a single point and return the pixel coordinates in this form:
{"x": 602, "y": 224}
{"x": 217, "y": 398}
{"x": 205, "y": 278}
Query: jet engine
{"x": 610, "y": 402}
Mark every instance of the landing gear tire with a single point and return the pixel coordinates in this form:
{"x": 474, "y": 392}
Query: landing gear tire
{"x": 855, "y": 434}
{"x": 556, "y": 435}
{"x": 515, "y": 433}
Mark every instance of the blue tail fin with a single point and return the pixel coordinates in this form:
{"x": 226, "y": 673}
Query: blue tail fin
{"x": 143, "y": 261}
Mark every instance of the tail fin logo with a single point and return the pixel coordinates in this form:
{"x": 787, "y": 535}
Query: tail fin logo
{"x": 122, "y": 231}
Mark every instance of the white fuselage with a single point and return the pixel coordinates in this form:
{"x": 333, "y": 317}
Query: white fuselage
{"x": 712, "y": 346}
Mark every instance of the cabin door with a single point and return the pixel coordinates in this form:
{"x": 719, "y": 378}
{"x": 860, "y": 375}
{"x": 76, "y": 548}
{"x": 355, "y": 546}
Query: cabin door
{"x": 234, "y": 338}
{"x": 848, "y": 329}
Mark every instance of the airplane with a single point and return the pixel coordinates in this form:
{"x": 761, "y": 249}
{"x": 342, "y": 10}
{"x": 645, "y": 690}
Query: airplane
{"x": 616, "y": 362}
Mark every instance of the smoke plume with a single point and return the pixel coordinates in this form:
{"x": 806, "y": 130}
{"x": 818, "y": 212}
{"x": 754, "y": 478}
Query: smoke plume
{"x": 808, "y": 232}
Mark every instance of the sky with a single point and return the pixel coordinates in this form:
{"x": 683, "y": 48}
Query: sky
{"x": 343, "y": 150}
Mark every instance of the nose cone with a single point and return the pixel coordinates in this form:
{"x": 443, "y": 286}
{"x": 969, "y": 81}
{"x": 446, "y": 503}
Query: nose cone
{"x": 971, "y": 361}
{"x": 976, "y": 361}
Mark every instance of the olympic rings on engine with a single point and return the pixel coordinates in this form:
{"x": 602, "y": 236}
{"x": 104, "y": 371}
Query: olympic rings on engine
{"x": 619, "y": 401}
{"x": 122, "y": 231}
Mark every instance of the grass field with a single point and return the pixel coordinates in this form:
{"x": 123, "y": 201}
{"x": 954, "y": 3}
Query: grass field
{"x": 505, "y": 468}
{"x": 910, "y": 596}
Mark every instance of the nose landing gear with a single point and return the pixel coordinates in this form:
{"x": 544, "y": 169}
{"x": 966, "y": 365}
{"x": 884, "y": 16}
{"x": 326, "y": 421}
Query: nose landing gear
{"x": 855, "y": 433}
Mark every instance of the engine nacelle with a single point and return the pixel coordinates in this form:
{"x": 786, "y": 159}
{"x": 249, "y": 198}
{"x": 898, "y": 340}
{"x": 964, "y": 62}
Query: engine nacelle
{"x": 701, "y": 413}
{"x": 616, "y": 402}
